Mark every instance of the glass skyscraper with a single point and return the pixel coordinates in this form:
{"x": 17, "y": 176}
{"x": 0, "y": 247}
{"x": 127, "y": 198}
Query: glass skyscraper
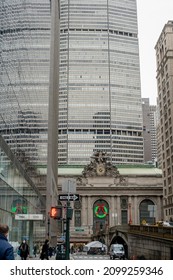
{"x": 99, "y": 96}
{"x": 24, "y": 77}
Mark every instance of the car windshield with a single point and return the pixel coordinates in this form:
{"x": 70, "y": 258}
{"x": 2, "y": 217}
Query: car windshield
{"x": 119, "y": 248}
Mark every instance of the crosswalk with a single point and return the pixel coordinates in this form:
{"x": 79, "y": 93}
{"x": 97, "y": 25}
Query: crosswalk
{"x": 89, "y": 257}
{"x": 77, "y": 256}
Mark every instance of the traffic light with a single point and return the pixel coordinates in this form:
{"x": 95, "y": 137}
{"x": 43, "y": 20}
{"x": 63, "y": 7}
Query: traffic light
{"x": 56, "y": 212}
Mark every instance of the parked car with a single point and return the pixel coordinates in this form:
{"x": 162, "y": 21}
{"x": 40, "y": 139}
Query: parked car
{"x": 117, "y": 252}
{"x": 164, "y": 224}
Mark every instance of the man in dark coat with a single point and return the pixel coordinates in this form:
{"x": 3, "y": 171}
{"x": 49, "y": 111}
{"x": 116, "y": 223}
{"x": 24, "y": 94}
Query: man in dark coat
{"x": 6, "y": 250}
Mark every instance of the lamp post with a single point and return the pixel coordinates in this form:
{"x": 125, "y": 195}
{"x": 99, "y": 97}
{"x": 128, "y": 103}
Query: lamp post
{"x": 48, "y": 225}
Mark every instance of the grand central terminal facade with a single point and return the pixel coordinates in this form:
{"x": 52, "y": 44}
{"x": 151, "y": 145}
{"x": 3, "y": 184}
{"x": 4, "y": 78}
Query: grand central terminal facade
{"x": 110, "y": 196}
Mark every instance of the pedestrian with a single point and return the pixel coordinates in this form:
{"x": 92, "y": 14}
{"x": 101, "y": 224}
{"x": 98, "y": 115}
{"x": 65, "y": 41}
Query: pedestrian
{"x": 45, "y": 250}
{"x": 24, "y": 250}
{"x": 50, "y": 250}
{"x": 72, "y": 250}
{"x": 6, "y": 249}
{"x": 35, "y": 250}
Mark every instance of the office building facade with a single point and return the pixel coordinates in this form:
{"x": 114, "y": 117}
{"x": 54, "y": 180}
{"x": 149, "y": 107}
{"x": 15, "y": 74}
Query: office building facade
{"x": 153, "y": 127}
{"x": 99, "y": 94}
{"x": 100, "y": 97}
{"x": 149, "y": 131}
{"x": 146, "y": 129}
{"x": 164, "y": 59}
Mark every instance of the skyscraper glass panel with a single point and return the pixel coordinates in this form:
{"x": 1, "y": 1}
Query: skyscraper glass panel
{"x": 99, "y": 95}
{"x": 24, "y": 77}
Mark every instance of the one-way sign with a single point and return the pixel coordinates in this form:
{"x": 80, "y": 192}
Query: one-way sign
{"x": 68, "y": 197}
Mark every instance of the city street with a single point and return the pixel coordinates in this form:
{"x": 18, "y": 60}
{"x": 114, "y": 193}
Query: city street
{"x": 75, "y": 256}
{"x": 84, "y": 256}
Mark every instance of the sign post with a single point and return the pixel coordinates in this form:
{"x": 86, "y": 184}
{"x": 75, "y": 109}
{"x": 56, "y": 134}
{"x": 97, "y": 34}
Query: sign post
{"x": 68, "y": 186}
{"x": 67, "y": 239}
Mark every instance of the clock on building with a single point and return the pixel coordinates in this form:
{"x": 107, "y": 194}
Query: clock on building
{"x": 100, "y": 169}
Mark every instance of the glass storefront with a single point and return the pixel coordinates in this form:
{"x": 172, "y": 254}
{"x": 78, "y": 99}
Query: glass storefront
{"x": 18, "y": 195}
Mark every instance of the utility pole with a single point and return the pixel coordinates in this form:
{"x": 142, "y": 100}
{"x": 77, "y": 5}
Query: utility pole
{"x": 67, "y": 236}
{"x": 52, "y": 150}
{"x": 69, "y": 213}
{"x": 48, "y": 226}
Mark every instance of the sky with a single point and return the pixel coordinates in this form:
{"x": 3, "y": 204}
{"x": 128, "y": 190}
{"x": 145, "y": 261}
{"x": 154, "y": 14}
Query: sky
{"x": 152, "y": 16}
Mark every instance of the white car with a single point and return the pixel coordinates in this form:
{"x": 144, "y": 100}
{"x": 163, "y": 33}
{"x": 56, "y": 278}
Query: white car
{"x": 165, "y": 224}
{"x": 117, "y": 252}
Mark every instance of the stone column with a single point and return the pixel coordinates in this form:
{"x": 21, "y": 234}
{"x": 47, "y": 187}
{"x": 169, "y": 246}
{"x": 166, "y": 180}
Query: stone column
{"x": 90, "y": 213}
{"x": 118, "y": 207}
{"x": 112, "y": 212}
{"x": 84, "y": 213}
{"x": 130, "y": 210}
{"x": 135, "y": 217}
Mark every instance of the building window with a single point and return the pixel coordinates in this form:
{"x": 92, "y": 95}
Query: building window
{"x": 77, "y": 218}
{"x": 124, "y": 202}
{"x": 124, "y": 217}
{"x": 147, "y": 211}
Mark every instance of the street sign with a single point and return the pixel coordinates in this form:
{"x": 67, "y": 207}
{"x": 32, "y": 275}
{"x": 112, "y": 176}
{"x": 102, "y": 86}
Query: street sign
{"x": 34, "y": 217}
{"x": 69, "y": 186}
{"x": 79, "y": 229}
{"x": 68, "y": 197}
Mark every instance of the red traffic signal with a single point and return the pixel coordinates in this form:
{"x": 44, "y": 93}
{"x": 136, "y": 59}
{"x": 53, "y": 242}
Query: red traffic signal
{"x": 56, "y": 212}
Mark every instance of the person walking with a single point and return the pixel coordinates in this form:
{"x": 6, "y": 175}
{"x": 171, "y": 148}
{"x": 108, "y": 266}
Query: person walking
{"x": 35, "y": 250}
{"x": 24, "y": 250}
{"x": 45, "y": 250}
{"x": 6, "y": 249}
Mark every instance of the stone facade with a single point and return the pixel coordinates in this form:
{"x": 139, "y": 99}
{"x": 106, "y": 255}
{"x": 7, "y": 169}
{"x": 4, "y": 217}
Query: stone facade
{"x": 118, "y": 191}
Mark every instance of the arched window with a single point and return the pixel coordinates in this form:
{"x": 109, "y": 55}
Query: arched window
{"x": 147, "y": 211}
{"x": 100, "y": 215}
